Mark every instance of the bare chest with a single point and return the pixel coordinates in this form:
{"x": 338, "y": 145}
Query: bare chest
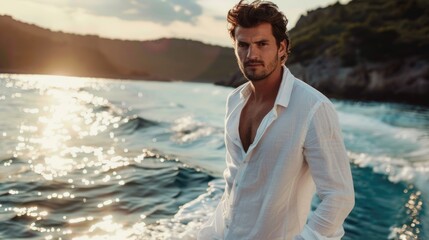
{"x": 250, "y": 119}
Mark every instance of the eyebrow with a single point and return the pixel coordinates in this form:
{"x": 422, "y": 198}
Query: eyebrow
{"x": 260, "y": 41}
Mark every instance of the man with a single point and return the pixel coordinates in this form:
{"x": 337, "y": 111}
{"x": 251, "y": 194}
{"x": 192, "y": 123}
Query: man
{"x": 282, "y": 138}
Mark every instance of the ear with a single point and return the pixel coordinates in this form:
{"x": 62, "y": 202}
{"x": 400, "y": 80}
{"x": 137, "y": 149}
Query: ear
{"x": 282, "y": 51}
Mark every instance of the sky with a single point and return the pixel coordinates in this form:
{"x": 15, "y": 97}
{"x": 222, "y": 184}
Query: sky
{"x": 202, "y": 20}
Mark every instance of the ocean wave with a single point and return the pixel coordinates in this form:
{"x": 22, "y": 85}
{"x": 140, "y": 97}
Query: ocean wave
{"x": 396, "y": 169}
{"x": 14, "y": 166}
{"x": 415, "y": 176}
{"x": 135, "y": 123}
{"x": 188, "y": 129}
{"x": 154, "y": 186}
{"x": 76, "y": 163}
{"x": 187, "y": 221}
{"x": 128, "y": 124}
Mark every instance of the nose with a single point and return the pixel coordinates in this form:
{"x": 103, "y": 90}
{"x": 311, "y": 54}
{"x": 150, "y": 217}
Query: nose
{"x": 252, "y": 52}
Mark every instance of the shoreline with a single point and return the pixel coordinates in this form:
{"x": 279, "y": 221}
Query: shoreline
{"x": 234, "y": 82}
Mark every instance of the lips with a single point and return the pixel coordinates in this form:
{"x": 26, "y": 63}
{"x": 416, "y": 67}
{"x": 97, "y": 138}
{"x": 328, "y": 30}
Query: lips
{"x": 253, "y": 64}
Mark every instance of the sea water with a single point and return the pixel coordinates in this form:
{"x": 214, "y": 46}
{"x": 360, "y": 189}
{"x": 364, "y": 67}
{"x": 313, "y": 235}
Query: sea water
{"x": 85, "y": 158}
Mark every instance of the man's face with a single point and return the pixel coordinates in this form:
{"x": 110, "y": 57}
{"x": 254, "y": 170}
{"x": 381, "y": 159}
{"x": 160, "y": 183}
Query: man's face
{"x": 257, "y": 52}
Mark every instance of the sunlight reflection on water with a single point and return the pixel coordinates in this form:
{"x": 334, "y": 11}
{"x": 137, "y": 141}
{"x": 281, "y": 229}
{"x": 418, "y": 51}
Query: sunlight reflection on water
{"x": 101, "y": 159}
{"x": 51, "y": 138}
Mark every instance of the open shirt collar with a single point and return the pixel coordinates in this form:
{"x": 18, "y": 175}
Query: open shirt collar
{"x": 285, "y": 89}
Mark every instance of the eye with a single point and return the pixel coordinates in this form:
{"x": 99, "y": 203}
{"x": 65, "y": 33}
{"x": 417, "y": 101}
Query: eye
{"x": 242, "y": 45}
{"x": 261, "y": 44}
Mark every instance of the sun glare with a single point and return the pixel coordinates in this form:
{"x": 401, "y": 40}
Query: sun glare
{"x": 56, "y": 81}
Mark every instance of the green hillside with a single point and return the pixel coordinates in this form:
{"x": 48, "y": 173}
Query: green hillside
{"x": 374, "y": 30}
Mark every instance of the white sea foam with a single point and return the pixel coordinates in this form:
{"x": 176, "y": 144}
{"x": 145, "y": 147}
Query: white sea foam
{"x": 188, "y": 220}
{"x": 399, "y": 151}
{"x": 187, "y": 129}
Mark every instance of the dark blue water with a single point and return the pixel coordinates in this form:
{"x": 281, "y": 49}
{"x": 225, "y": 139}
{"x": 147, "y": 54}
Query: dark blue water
{"x": 101, "y": 159}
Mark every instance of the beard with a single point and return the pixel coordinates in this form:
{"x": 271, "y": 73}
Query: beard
{"x": 254, "y": 70}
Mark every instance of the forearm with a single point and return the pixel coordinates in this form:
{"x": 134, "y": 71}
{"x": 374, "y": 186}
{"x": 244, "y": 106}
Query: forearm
{"x": 330, "y": 168}
{"x": 330, "y": 214}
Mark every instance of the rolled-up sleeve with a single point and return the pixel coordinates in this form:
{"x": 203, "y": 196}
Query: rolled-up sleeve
{"x": 326, "y": 156}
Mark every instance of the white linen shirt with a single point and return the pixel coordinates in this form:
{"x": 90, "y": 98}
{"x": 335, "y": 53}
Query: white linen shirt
{"x": 269, "y": 188}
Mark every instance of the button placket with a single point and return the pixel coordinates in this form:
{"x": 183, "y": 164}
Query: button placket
{"x": 239, "y": 178}
{"x": 266, "y": 122}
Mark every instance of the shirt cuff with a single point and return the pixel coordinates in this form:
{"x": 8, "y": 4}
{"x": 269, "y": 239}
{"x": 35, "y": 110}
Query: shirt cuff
{"x": 309, "y": 234}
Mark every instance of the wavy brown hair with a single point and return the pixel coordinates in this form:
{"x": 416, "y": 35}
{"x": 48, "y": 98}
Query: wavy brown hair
{"x": 252, "y": 14}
